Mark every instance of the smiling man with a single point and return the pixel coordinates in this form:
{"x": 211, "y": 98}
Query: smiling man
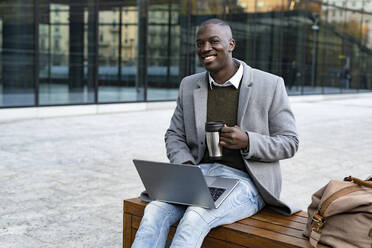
{"x": 260, "y": 130}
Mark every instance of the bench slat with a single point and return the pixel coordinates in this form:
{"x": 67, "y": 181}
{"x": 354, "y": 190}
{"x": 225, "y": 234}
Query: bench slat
{"x": 273, "y": 227}
{"x": 301, "y": 213}
{"x": 296, "y": 218}
{"x": 216, "y": 243}
{"x": 247, "y": 235}
{"x": 279, "y": 221}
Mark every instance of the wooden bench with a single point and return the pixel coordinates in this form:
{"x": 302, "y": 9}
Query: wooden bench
{"x": 266, "y": 229}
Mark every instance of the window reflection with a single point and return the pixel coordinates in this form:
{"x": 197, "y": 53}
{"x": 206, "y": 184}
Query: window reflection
{"x": 163, "y": 51}
{"x": 62, "y": 54}
{"x": 127, "y": 51}
{"x": 117, "y": 71}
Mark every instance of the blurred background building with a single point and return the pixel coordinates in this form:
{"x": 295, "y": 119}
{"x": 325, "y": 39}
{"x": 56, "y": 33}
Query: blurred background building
{"x": 62, "y": 52}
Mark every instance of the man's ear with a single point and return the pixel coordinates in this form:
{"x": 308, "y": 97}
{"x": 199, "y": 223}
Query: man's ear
{"x": 231, "y": 45}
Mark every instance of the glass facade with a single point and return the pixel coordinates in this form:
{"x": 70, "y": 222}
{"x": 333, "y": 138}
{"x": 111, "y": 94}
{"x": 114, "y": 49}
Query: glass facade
{"x": 62, "y": 52}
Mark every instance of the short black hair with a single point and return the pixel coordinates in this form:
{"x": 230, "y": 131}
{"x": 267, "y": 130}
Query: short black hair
{"x": 217, "y": 21}
{"x": 214, "y": 21}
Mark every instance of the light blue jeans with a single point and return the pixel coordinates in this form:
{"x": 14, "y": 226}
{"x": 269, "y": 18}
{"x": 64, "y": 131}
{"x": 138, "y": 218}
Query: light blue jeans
{"x": 196, "y": 222}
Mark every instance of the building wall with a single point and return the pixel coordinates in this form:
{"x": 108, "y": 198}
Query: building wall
{"x": 78, "y": 52}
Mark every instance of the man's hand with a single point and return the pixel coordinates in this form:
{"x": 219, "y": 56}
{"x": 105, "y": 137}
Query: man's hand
{"x": 234, "y": 138}
{"x": 189, "y": 162}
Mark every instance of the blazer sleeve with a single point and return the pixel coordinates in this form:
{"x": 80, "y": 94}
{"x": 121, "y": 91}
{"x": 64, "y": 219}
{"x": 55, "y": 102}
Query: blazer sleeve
{"x": 178, "y": 151}
{"x": 283, "y": 141}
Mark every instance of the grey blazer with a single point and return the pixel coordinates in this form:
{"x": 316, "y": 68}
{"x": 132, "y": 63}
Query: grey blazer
{"x": 263, "y": 112}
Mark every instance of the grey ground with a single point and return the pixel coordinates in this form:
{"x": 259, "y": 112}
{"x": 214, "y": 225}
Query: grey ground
{"x": 63, "y": 180}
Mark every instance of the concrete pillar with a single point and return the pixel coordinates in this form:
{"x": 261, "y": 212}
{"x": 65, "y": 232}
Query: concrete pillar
{"x": 186, "y": 63}
{"x": 141, "y": 79}
{"x": 18, "y": 53}
{"x": 76, "y": 53}
{"x": 92, "y": 48}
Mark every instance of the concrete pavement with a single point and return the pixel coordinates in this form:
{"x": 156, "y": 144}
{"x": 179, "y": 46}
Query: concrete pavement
{"x": 63, "y": 180}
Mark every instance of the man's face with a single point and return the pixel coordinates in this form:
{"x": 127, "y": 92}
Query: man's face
{"x": 214, "y": 46}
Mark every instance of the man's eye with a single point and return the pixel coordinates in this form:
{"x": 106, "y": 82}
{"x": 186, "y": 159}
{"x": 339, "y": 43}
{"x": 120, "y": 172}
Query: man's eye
{"x": 199, "y": 44}
{"x": 215, "y": 41}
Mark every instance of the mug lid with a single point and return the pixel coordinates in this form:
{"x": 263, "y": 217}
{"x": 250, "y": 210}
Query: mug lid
{"x": 214, "y": 126}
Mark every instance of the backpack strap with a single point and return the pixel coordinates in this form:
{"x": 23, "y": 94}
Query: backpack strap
{"x": 367, "y": 183}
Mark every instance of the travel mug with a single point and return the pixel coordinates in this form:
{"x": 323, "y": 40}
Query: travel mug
{"x": 212, "y": 133}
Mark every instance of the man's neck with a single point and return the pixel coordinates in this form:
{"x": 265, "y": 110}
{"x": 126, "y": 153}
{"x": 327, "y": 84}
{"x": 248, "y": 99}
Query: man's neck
{"x": 222, "y": 76}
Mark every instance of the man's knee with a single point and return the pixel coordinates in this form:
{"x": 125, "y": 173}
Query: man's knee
{"x": 160, "y": 213}
{"x": 192, "y": 229}
{"x": 154, "y": 218}
{"x": 153, "y": 213}
{"x": 197, "y": 216}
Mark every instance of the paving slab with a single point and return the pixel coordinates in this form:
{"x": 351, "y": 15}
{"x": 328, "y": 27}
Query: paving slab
{"x": 63, "y": 180}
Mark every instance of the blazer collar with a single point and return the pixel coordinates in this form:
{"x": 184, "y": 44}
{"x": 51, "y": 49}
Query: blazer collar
{"x": 247, "y": 73}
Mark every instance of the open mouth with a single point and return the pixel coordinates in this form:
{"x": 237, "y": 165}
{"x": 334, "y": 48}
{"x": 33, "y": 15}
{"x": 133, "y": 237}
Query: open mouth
{"x": 209, "y": 58}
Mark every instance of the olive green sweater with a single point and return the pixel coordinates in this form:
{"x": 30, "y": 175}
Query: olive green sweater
{"x": 223, "y": 106}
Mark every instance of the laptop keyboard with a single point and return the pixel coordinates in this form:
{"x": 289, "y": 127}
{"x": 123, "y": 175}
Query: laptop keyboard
{"x": 216, "y": 192}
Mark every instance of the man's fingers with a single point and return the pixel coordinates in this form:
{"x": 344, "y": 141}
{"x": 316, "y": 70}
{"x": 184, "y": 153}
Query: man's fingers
{"x": 228, "y": 132}
{"x": 226, "y": 135}
{"x": 226, "y": 141}
{"x": 230, "y": 135}
{"x": 227, "y": 129}
{"x": 230, "y": 146}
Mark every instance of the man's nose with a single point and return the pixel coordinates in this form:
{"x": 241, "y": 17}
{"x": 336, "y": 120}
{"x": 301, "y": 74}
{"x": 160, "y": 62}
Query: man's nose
{"x": 206, "y": 47}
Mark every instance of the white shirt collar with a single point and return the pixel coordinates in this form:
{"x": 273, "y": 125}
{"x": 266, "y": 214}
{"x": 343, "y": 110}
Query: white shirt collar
{"x": 234, "y": 80}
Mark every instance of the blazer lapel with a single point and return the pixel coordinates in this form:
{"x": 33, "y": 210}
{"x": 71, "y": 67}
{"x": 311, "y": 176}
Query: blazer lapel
{"x": 200, "y": 106}
{"x": 245, "y": 92}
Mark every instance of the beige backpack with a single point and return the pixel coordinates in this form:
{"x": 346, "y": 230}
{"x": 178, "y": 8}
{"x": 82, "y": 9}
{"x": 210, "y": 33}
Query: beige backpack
{"x": 340, "y": 214}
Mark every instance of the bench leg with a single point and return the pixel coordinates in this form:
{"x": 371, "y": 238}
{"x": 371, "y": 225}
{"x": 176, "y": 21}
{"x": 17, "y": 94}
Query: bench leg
{"x": 127, "y": 230}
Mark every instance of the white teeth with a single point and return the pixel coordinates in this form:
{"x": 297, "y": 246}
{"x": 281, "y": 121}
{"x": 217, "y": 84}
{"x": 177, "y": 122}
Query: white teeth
{"x": 209, "y": 58}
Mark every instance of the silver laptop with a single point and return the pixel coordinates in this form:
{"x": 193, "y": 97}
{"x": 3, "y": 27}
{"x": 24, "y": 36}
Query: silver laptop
{"x": 183, "y": 184}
